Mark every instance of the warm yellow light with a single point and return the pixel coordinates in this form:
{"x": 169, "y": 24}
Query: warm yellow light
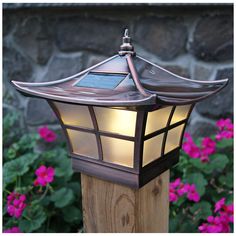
{"x": 157, "y": 119}
{"x": 83, "y": 143}
{"x": 116, "y": 121}
{"x": 181, "y": 113}
{"x": 74, "y": 114}
{"x": 173, "y": 138}
{"x": 117, "y": 151}
{"x": 152, "y": 149}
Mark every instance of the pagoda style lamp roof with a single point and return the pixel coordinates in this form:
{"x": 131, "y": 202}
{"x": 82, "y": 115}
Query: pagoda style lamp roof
{"x": 124, "y": 80}
{"x": 124, "y": 118}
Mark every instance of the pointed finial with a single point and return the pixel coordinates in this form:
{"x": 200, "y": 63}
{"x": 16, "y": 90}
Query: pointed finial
{"x": 126, "y": 33}
{"x": 126, "y": 47}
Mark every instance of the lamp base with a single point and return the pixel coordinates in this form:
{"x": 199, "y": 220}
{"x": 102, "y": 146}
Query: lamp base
{"x": 126, "y": 176}
{"x": 114, "y": 208}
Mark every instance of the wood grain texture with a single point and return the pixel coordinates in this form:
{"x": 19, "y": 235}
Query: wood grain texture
{"x": 114, "y": 208}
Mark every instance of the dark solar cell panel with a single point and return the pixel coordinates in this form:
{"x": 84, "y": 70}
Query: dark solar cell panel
{"x": 101, "y": 80}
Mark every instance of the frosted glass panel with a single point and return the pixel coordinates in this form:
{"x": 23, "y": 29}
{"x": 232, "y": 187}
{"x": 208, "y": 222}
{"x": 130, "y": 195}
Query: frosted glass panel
{"x": 116, "y": 121}
{"x": 152, "y": 149}
{"x": 157, "y": 119}
{"x": 173, "y": 138}
{"x": 118, "y": 151}
{"x": 74, "y": 114}
{"x": 83, "y": 143}
{"x": 181, "y": 113}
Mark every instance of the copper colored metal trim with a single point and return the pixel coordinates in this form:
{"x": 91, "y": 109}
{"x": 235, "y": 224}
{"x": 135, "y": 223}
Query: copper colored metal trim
{"x": 135, "y": 76}
{"x": 139, "y": 139}
{"x": 182, "y": 135}
{"x": 58, "y": 115}
{"x": 96, "y": 128}
{"x": 166, "y": 132}
{"x": 102, "y": 133}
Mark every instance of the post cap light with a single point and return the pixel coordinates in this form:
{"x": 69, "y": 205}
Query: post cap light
{"x": 123, "y": 118}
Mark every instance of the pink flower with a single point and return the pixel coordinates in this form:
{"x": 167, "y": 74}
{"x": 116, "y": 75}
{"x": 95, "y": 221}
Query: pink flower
{"x": 173, "y": 197}
{"x": 192, "y": 193}
{"x": 208, "y": 146}
{"x": 226, "y": 130}
{"x": 176, "y": 183}
{"x": 204, "y": 158}
{"x": 224, "y": 123}
{"x": 47, "y": 134}
{"x": 190, "y": 147}
{"x": 178, "y": 189}
{"x": 219, "y": 204}
{"x": 183, "y": 188}
{"x": 12, "y": 230}
{"x": 44, "y": 175}
{"x": 229, "y": 209}
{"x": 16, "y": 204}
{"x": 220, "y": 223}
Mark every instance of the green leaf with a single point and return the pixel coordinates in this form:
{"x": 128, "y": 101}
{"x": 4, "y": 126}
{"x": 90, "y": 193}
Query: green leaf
{"x": 199, "y": 180}
{"x": 180, "y": 201}
{"x": 17, "y": 167}
{"x": 227, "y": 180}
{"x": 36, "y": 217}
{"x": 174, "y": 224}
{"x": 64, "y": 168}
{"x": 62, "y": 197}
{"x": 225, "y": 143}
{"x": 201, "y": 210}
{"x": 72, "y": 213}
{"x": 196, "y": 162}
{"x": 75, "y": 186}
{"x": 217, "y": 163}
{"x": 12, "y": 151}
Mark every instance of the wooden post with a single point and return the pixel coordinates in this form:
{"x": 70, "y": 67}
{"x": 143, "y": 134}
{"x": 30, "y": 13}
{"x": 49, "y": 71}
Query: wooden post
{"x": 113, "y": 208}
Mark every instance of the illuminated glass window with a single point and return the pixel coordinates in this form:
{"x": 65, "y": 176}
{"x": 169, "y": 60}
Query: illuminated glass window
{"x": 173, "y": 138}
{"x": 157, "y": 119}
{"x": 152, "y": 149}
{"x": 118, "y": 151}
{"x": 181, "y": 113}
{"x": 116, "y": 121}
{"x": 74, "y": 114}
{"x": 83, "y": 143}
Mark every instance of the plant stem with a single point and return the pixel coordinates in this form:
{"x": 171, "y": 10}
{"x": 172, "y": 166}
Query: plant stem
{"x": 7, "y": 191}
{"x": 26, "y": 217}
{"x": 44, "y": 194}
{"x": 19, "y": 182}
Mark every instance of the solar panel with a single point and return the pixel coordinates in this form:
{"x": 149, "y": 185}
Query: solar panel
{"x": 101, "y": 80}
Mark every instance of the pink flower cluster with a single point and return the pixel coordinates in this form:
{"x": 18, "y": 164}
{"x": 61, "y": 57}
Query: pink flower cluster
{"x": 47, "y": 134}
{"x": 44, "y": 175}
{"x": 226, "y": 129}
{"x": 221, "y": 222}
{"x": 12, "y": 230}
{"x": 16, "y": 204}
{"x": 208, "y": 147}
{"x": 178, "y": 189}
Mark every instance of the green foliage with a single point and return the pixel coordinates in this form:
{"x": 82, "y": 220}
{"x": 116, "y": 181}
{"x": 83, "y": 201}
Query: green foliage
{"x": 213, "y": 181}
{"x": 201, "y": 210}
{"x": 17, "y": 167}
{"x": 199, "y": 181}
{"x": 62, "y": 197}
{"x": 55, "y": 208}
{"x": 35, "y": 217}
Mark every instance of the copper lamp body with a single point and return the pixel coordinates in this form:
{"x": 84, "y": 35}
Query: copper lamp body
{"x": 124, "y": 118}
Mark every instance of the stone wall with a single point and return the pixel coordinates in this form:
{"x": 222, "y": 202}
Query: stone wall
{"x": 45, "y": 42}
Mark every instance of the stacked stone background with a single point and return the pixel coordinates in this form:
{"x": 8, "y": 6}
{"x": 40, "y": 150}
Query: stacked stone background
{"x": 46, "y": 42}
